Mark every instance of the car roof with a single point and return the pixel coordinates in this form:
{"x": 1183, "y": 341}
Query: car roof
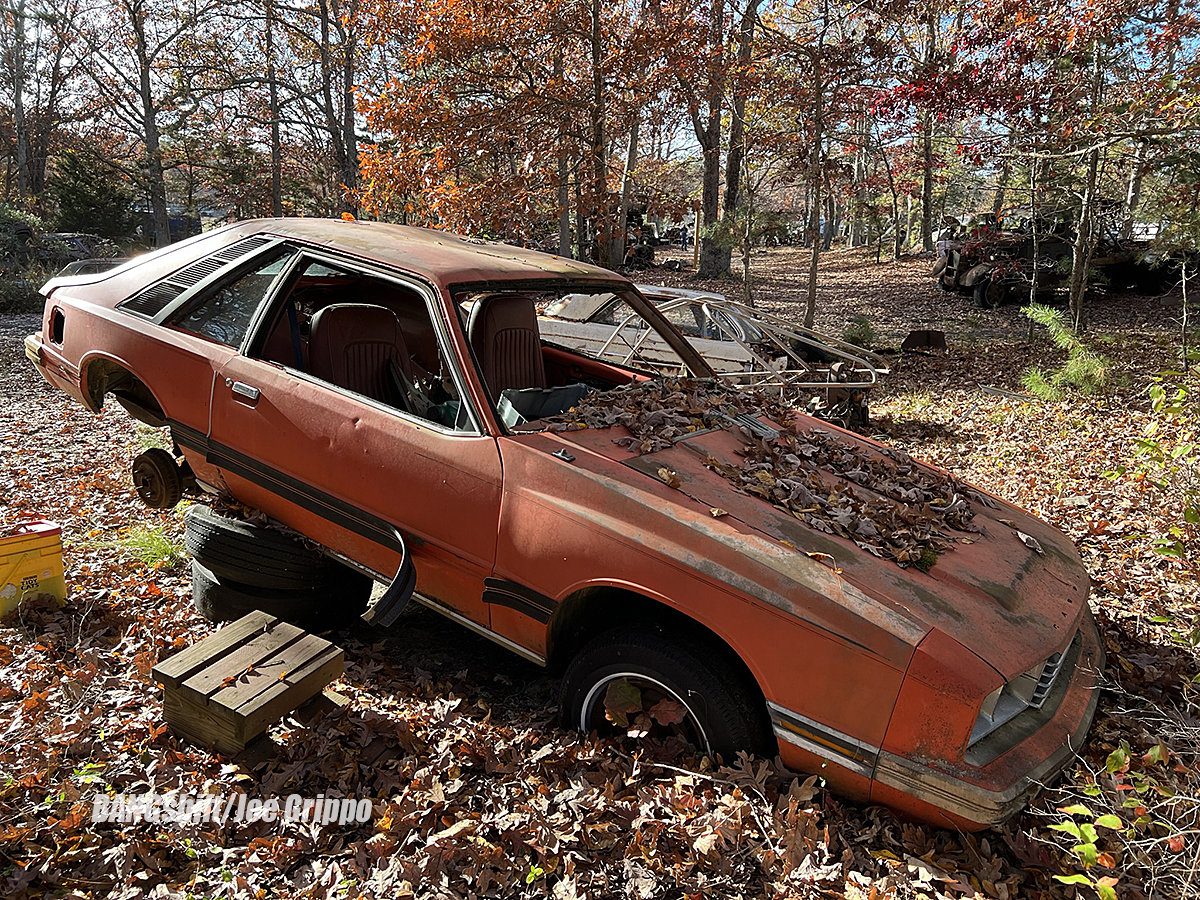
{"x": 443, "y": 258}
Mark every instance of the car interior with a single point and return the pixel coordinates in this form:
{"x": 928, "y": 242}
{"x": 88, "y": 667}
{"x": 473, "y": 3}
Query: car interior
{"x": 376, "y": 338}
{"x": 528, "y": 377}
{"x": 365, "y": 334}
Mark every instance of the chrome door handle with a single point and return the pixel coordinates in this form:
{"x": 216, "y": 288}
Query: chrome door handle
{"x": 246, "y": 391}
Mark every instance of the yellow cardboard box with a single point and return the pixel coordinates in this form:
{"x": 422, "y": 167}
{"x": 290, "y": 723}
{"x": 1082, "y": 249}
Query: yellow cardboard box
{"x": 30, "y": 564}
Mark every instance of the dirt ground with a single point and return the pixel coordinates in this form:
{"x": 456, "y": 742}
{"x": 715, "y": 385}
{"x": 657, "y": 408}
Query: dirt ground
{"x": 482, "y": 794}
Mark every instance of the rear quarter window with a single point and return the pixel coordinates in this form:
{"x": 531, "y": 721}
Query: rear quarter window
{"x": 224, "y": 314}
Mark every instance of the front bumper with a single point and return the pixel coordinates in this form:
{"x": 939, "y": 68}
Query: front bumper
{"x": 999, "y": 774}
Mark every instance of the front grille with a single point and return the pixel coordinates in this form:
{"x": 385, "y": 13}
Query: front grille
{"x": 1047, "y": 679}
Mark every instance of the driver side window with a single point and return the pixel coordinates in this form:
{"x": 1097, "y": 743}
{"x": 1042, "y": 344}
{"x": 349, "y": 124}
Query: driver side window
{"x": 367, "y": 335}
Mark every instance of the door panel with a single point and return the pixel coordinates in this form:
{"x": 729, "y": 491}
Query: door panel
{"x": 344, "y": 471}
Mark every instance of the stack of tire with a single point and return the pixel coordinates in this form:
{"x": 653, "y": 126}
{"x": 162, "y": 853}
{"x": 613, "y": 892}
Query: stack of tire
{"x": 239, "y": 566}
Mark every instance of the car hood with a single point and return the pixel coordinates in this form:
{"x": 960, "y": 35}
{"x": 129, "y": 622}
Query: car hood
{"x": 1013, "y": 595}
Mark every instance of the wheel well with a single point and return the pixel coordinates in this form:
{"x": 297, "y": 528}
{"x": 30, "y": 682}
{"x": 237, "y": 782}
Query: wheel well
{"x": 107, "y": 377}
{"x": 594, "y": 610}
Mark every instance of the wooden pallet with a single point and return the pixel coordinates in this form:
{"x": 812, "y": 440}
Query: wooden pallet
{"x": 225, "y": 691}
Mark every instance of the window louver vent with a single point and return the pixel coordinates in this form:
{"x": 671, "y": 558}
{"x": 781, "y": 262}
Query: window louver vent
{"x": 155, "y": 298}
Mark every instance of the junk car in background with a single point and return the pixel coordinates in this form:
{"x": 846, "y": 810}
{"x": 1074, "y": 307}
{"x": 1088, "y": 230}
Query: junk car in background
{"x": 743, "y": 345}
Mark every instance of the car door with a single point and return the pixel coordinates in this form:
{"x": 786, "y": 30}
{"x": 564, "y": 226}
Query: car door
{"x": 205, "y": 310}
{"x": 348, "y": 469}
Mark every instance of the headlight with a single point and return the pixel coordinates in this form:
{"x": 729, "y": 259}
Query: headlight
{"x": 1028, "y": 690}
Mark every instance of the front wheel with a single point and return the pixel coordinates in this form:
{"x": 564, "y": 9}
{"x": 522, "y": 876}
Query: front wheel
{"x": 990, "y": 293}
{"x": 642, "y": 681}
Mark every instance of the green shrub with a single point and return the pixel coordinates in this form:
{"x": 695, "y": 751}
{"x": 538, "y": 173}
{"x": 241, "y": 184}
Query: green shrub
{"x": 1169, "y": 456}
{"x": 92, "y": 197}
{"x": 859, "y": 332}
{"x": 18, "y": 295}
{"x": 1085, "y": 370}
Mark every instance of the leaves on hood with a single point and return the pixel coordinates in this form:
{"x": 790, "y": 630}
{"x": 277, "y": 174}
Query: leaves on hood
{"x": 882, "y": 500}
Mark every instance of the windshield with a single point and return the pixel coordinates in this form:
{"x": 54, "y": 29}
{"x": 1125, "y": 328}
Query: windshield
{"x": 616, "y": 327}
{"x": 541, "y": 348}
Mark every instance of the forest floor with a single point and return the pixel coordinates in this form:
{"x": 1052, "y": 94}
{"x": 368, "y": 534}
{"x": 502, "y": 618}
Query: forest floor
{"x": 482, "y": 794}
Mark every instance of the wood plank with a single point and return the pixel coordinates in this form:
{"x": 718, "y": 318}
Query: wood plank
{"x": 196, "y": 723}
{"x": 177, "y": 668}
{"x": 284, "y": 696}
{"x": 291, "y": 658}
{"x": 208, "y": 681}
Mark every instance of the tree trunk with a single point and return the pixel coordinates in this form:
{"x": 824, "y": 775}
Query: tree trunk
{"x": 1184, "y": 323}
{"x": 1081, "y": 249}
{"x": 45, "y": 130}
{"x": 713, "y": 261}
{"x": 1001, "y": 186}
{"x": 833, "y": 221}
{"x": 273, "y": 100}
{"x": 601, "y": 231}
{"x": 564, "y": 203}
{"x": 927, "y": 147}
{"x": 747, "y": 248}
{"x": 1037, "y": 243}
{"x": 814, "y": 179}
{"x": 564, "y": 177}
{"x": 860, "y": 184}
{"x": 580, "y": 214}
{"x": 735, "y": 158}
{"x": 339, "y": 127}
{"x": 349, "y": 132}
{"x": 1133, "y": 193}
{"x": 19, "y": 123}
{"x": 927, "y": 182}
{"x": 897, "y": 238}
{"x": 155, "y": 181}
{"x": 631, "y": 158}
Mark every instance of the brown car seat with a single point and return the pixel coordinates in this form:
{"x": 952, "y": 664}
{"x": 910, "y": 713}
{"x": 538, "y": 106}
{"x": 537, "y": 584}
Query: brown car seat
{"x": 503, "y": 332}
{"x": 359, "y": 346}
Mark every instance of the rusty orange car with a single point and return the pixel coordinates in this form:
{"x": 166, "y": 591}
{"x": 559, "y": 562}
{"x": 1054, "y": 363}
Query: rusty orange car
{"x": 385, "y": 392}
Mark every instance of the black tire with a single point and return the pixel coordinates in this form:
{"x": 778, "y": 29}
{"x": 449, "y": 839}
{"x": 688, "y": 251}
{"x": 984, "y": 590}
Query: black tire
{"x": 316, "y": 609}
{"x": 253, "y": 555}
{"x": 947, "y": 281}
{"x": 157, "y": 478}
{"x": 728, "y": 710}
{"x": 858, "y": 417}
{"x": 990, "y": 293}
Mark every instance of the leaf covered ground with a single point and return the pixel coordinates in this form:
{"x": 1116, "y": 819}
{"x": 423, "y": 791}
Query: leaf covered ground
{"x": 482, "y": 794}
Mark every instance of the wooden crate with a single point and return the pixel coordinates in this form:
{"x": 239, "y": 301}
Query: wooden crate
{"x": 228, "y": 689}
